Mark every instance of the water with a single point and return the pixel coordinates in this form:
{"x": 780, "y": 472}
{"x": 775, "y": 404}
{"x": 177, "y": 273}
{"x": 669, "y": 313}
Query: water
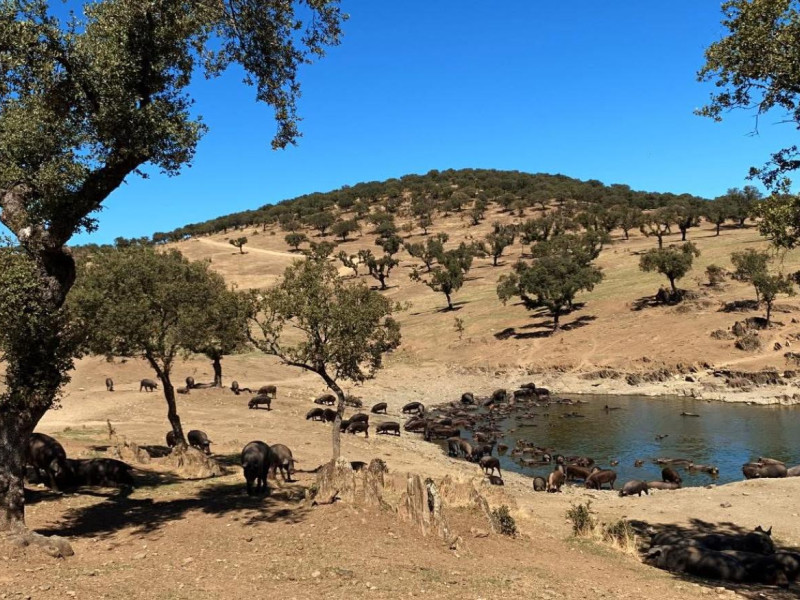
{"x": 724, "y": 435}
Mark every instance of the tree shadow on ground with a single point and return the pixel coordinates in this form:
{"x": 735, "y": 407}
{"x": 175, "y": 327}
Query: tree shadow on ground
{"x": 696, "y": 526}
{"x": 739, "y": 306}
{"x": 456, "y": 307}
{"x": 146, "y": 515}
{"x": 546, "y": 329}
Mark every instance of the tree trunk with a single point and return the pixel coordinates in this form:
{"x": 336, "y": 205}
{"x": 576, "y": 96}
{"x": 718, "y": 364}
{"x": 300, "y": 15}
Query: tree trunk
{"x": 683, "y": 234}
{"x": 661, "y": 241}
{"x": 336, "y": 433}
{"x": 172, "y": 410}
{"x": 494, "y": 262}
{"x": 169, "y": 396}
{"x": 217, "y": 364}
{"x": 449, "y": 302}
{"x": 15, "y": 429}
{"x": 672, "y": 283}
{"x": 241, "y": 249}
{"x": 718, "y": 226}
{"x": 626, "y": 234}
{"x": 35, "y": 370}
{"x": 769, "y": 312}
{"x": 556, "y": 315}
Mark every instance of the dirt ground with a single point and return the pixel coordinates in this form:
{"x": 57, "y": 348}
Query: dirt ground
{"x": 173, "y": 538}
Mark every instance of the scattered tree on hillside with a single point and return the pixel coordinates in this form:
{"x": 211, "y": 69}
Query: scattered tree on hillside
{"x": 85, "y": 104}
{"x": 716, "y": 212}
{"x": 239, "y": 243}
{"x": 628, "y": 218}
{"x": 136, "y": 302}
{"x": 478, "y": 211}
{"x": 657, "y": 223}
{"x": 498, "y": 240}
{"x": 320, "y": 250}
{"x": 384, "y": 224}
{"x": 351, "y": 261}
{"x": 674, "y": 262}
{"x": 391, "y": 244}
{"x": 379, "y": 268}
{"x": 746, "y": 76}
{"x": 321, "y": 221}
{"x": 295, "y": 239}
{"x": 541, "y": 229}
{"x": 750, "y": 265}
{"x": 313, "y": 320}
{"x": 448, "y": 276}
{"x": 342, "y": 229}
{"x": 769, "y": 286}
{"x": 686, "y": 215}
{"x": 742, "y": 203}
{"x": 430, "y": 251}
{"x": 559, "y": 270}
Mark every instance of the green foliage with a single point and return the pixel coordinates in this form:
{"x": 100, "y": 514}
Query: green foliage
{"x": 658, "y": 223}
{"x": 749, "y": 265}
{"x": 320, "y": 250}
{"x": 295, "y": 239}
{"x": 541, "y": 229}
{"x": 321, "y": 221}
{"x": 769, "y": 286}
{"x": 136, "y": 302}
{"x": 342, "y": 229}
{"x": 582, "y": 518}
{"x": 779, "y": 220}
{"x": 448, "y": 277}
{"x": 687, "y": 215}
{"x": 314, "y": 320}
{"x": 430, "y": 251}
{"x": 239, "y": 243}
{"x": 478, "y": 211}
{"x": 674, "y": 261}
{"x": 754, "y": 67}
{"x": 499, "y": 239}
{"x": 504, "y": 522}
{"x": 351, "y": 261}
{"x": 379, "y": 268}
{"x": 34, "y": 372}
{"x": 560, "y": 268}
{"x": 87, "y": 102}
{"x": 628, "y": 217}
{"x": 391, "y": 244}
{"x": 384, "y": 224}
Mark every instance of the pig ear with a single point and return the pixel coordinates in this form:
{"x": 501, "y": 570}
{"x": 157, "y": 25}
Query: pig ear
{"x": 769, "y": 531}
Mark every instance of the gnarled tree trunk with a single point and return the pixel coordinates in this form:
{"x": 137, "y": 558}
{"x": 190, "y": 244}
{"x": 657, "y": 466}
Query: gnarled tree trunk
{"x": 15, "y": 429}
{"x": 216, "y": 362}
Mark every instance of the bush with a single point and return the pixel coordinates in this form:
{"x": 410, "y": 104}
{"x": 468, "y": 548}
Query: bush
{"x": 748, "y": 342}
{"x": 715, "y": 274}
{"x": 504, "y": 521}
{"x": 622, "y": 536}
{"x": 582, "y": 519}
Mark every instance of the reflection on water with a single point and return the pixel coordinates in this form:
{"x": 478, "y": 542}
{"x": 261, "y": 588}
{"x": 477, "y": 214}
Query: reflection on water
{"x": 724, "y": 435}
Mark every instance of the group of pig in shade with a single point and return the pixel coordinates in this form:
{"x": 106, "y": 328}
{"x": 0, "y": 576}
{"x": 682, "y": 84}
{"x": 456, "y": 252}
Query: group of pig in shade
{"x": 46, "y": 456}
{"x": 357, "y": 423}
{"x": 735, "y": 557}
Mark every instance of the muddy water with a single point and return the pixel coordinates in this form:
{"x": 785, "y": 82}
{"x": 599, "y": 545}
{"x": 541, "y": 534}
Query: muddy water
{"x": 724, "y": 435}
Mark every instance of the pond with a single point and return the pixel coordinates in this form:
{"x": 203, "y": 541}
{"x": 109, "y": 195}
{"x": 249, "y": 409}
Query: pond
{"x": 724, "y": 435}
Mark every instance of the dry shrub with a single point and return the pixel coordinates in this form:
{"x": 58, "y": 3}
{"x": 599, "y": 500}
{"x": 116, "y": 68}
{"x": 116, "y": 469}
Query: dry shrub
{"x": 582, "y": 519}
{"x": 749, "y": 342}
{"x": 722, "y": 334}
{"x": 504, "y": 522}
{"x": 622, "y": 536}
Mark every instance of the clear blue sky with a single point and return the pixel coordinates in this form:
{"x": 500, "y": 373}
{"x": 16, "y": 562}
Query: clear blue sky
{"x": 594, "y": 90}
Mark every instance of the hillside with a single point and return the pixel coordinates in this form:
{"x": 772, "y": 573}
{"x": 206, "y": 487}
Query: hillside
{"x": 608, "y": 330}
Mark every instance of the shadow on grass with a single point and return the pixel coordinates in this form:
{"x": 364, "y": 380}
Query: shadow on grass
{"x": 699, "y": 527}
{"x": 545, "y": 329}
{"x": 146, "y": 515}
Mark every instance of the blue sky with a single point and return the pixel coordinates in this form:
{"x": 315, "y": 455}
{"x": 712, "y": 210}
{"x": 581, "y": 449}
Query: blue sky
{"x": 594, "y": 90}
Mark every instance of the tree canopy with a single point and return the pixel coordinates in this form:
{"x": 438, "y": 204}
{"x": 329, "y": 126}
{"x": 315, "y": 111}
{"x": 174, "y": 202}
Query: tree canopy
{"x": 674, "y": 261}
{"x": 314, "y": 320}
{"x": 137, "y": 302}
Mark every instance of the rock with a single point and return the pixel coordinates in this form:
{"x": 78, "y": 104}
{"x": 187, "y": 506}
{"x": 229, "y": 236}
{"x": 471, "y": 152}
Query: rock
{"x": 191, "y": 463}
{"x": 316, "y": 574}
